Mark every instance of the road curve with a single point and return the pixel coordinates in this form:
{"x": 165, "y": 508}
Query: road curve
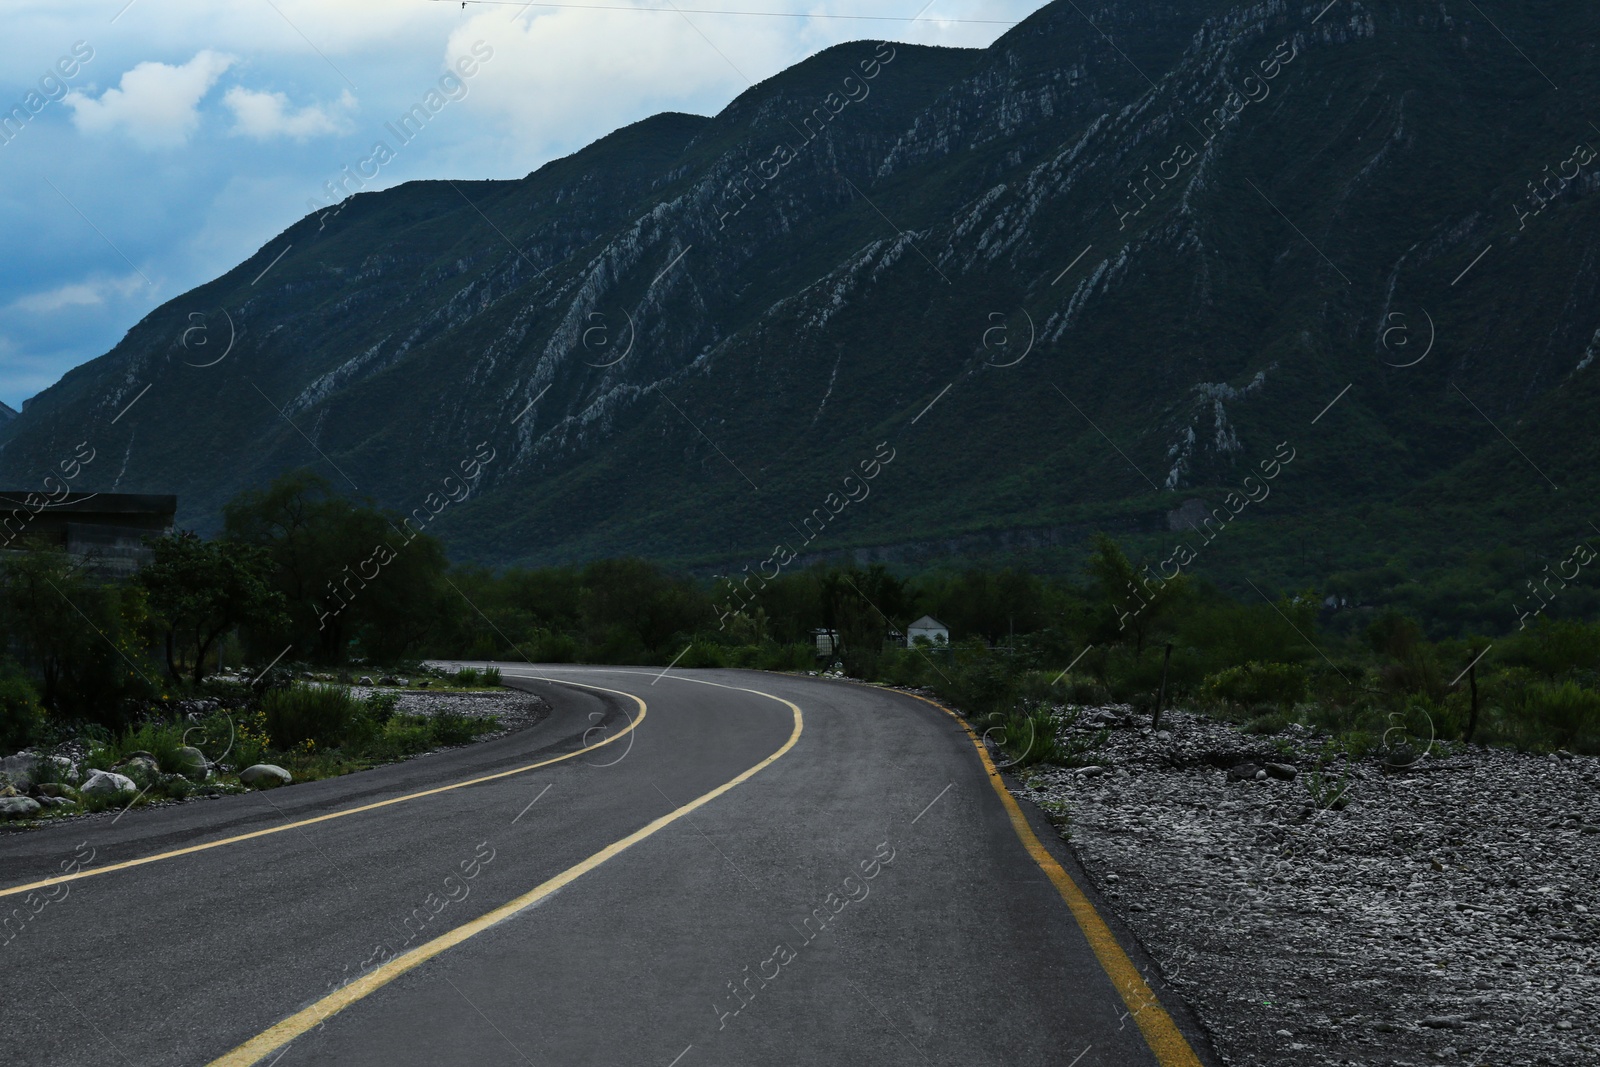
{"x": 695, "y": 867}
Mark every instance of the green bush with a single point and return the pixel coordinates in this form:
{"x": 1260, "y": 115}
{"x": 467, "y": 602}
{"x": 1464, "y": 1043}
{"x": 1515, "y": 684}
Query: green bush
{"x": 409, "y": 734}
{"x": 795, "y": 657}
{"x": 325, "y": 714}
{"x": 381, "y": 705}
{"x": 1274, "y": 722}
{"x": 491, "y": 676}
{"x": 1026, "y": 737}
{"x": 555, "y": 648}
{"x": 21, "y": 717}
{"x": 1280, "y": 684}
{"x": 161, "y": 740}
{"x": 1566, "y": 714}
{"x": 468, "y": 677}
{"x": 453, "y": 728}
{"x": 702, "y": 654}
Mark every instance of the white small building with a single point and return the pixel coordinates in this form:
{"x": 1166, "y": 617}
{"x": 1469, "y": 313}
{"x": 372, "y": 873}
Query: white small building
{"x": 929, "y": 628}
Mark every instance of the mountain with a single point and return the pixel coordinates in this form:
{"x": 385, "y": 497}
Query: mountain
{"x": 1091, "y": 277}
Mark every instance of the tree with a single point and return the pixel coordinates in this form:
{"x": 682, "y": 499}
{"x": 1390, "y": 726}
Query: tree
{"x": 79, "y": 639}
{"x": 199, "y": 590}
{"x": 348, "y": 571}
{"x": 1141, "y": 601}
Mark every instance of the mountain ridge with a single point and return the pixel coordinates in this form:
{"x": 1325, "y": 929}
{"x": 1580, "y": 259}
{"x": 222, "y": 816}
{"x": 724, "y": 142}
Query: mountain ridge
{"x": 1312, "y": 190}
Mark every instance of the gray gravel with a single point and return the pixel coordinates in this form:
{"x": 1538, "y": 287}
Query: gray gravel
{"x": 1449, "y": 913}
{"x": 516, "y": 710}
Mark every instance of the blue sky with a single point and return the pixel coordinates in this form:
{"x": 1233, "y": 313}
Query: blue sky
{"x": 164, "y": 141}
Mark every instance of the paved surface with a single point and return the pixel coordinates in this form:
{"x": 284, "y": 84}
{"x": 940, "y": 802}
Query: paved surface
{"x": 730, "y": 935}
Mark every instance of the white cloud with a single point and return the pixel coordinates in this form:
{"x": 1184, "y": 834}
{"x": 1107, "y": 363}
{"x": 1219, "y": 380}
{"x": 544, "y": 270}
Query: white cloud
{"x": 90, "y": 293}
{"x": 268, "y": 115}
{"x": 156, "y": 104}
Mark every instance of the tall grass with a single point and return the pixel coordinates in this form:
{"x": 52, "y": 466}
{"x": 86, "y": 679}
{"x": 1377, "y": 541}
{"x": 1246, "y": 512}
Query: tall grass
{"x": 324, "y": 714}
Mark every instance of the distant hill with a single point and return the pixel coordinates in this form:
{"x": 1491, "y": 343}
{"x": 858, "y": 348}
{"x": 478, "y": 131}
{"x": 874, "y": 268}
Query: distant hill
{"x": 1211, "y": 219}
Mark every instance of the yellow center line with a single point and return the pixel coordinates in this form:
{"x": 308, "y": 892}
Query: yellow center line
{"x": 275, "y": 1037}
{"x": 1160, "y": 1032}
{"x": 174, "y": 853}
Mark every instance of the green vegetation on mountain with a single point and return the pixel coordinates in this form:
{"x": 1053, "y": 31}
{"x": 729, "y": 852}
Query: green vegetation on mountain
{"x": 1125, "y": 260}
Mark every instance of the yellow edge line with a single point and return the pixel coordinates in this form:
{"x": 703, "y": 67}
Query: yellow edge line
{"x": 1160, "y": 1032}
{"x": 260, "y": 1046}
{"x": 174, "y": 853}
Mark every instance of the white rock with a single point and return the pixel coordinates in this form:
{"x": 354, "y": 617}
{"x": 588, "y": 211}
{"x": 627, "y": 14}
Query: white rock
{"x": 18, "y": 807}
{"x": 107, "y": 784}
{"x": 265, "y": 776}
{"x": 20, "y": 768}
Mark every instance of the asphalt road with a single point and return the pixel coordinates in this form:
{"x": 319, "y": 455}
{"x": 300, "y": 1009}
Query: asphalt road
{"x": 728, "y": 867}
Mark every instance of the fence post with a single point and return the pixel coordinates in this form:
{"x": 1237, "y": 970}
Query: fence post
{"x": 1472, "y": 683}
{"x": 1161, "y": 697}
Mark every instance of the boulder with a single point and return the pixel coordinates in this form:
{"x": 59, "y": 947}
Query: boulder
{"x": 1285, "y": 771}
{"x": 48, "y": 802}
{"x": 424, "y": 684}
{"x": 107, "y": 784}
{"x": 18, "y": 807}
{"x": 58, "y": 789}
{"x": 265, "y": 776}
{"x": 1245, "y": 772}
{"x": 19, "y": 768}
{"x": 192, "y": 763}
{"x": 139, "y": 762}
{"x": 366, "y": 679}
{"x": 387, "y": 679}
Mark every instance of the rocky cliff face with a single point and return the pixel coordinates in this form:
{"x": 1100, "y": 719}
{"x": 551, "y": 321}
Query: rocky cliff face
{"x": 1124, "y": 253}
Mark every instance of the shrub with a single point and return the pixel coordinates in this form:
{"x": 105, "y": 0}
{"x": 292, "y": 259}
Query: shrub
{"x": 161, "y": 740}
{"x": 468, "y": 677}
{"x": 1565, "y": 714}
{"x": 249, "y": 740}
{"x": 1280, "y": 684}
{"x": 453, "y": 728}
{"x": 21, "y": 717}
{"x": 409, "y": 734}
{"x": 1027, "y": 737}
{"x": 1275, "y": 722}
{"x": 381, "y": 705}
{"x": 700, "y": 654}
{"x": 491, "y": 676}
{"x": 325, "y": 714}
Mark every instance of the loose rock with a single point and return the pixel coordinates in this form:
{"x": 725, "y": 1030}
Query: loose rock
{"x": 18, "y": 807}
{"x": 107, "y": 784}
{"x": 1453, "y": 904}
{"x": 192, "y": 763}
{"x": 265, "y": 776}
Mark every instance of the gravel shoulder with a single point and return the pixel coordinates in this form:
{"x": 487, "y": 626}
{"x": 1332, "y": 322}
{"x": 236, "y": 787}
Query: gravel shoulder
{"x": 1446, "y": 912}
{"x": 516, "y": 710}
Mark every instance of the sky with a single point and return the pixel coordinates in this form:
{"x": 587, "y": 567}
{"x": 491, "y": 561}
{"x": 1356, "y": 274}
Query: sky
{"x": 147, "y": 147}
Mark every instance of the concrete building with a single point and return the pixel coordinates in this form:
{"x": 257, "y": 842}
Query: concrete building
{"x": 106, "y": 530}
